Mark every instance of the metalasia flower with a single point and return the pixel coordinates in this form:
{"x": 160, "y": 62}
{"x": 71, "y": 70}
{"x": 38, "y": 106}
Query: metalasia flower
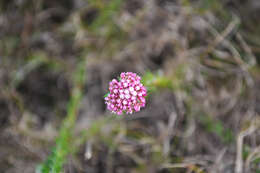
{"x": 126, "y": 95}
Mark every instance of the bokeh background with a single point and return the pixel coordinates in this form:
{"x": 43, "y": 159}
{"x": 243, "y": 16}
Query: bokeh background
{"x": 200, "y": 57}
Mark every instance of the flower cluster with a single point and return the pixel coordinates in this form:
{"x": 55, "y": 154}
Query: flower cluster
{"x": 126, "y": 95}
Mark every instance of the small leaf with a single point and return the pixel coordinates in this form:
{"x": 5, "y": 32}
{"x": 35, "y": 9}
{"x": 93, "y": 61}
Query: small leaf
{"x": 106, "y": 95}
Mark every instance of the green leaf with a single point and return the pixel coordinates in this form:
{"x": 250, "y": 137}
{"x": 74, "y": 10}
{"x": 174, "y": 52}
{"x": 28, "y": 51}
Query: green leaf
{"x": 106, "y": 95}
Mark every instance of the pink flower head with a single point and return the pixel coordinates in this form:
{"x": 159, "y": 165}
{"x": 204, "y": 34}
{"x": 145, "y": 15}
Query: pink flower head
{"x": 126, "y": 95}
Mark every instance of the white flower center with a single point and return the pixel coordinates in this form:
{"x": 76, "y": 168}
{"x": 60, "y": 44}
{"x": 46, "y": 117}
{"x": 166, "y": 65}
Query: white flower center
{"x": 122, "y": 96}
{"x": 131, "y": 89}
{"x": 134, "y": 93}
{"x": 124, "y": 102}
{"x": 126, "y": 92}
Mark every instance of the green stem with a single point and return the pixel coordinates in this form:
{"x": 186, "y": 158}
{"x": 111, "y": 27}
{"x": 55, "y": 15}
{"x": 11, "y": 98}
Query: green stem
{"x": 62, "y": 149}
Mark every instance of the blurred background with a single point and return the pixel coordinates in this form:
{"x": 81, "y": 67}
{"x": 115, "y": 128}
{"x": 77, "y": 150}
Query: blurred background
{"x": 200, "y": 57}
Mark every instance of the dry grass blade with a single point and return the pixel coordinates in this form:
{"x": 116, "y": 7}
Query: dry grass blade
{"x": 239, "y": 159}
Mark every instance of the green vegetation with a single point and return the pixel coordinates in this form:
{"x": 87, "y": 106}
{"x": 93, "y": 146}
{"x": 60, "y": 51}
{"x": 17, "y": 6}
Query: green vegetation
{"x": 63, "y": 146}
{"x": 217, "y": 127}
{"x": 198, "y": 59}
{"x": 58, "y": 157}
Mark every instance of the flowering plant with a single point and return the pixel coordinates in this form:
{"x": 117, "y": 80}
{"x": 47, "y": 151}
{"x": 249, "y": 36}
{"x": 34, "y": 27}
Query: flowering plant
{"x": 126, "y": 95}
